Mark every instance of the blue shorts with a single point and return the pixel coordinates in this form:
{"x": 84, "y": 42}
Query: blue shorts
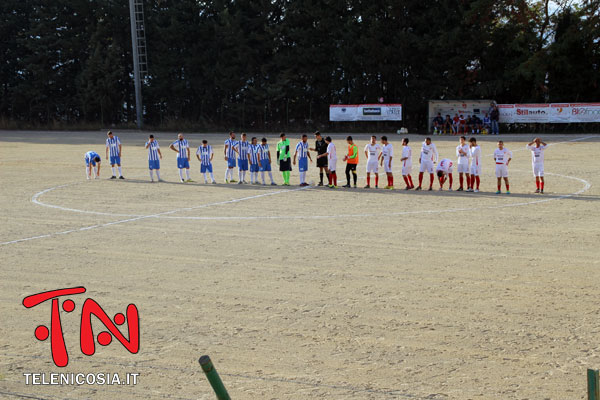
{"x": 153, "y": 164}
{"x": 243, "y": 165}
{"x": 303, "y": 164}
{"x": 183, "y": 163}
{"x": 88, "y": 162}
{"x": 231, "y": 162}
{"x": 254, "y": 167}
{"x": 115, "y": 160}
{"x": 206, "y": 168}
{"x": 266, "y": 166}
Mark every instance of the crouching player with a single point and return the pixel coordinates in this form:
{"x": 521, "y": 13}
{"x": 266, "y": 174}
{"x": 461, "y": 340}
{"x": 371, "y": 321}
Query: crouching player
{"x": 205, "y": 155}
{"x": 443, "y": 170}
{"x": 154, "y": 157}
{"x": 502, "y": 156}
{"x": 91, "y": 160}
{"x": 537, "y": 162}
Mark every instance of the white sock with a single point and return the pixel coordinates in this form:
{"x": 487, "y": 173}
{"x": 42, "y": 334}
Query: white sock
{"x": 187, "y": 173}
{"x": 227, "y": 174}
{"x": 240, "y": 175}
{"x": 302, "y": 177}
{"x": 120, "y": 173}
{"x": 95, "y": 171}
{"x": 87, "y": 172}
{"x": 212, "y": 177}
{"x": 204, "y": 173}
{"x": 181, "y": 173}
{"x": 151, "y": 177}
{"x": 113, "y": 170}
{"x": 262, "y": 175}
{"x": 157, "y": 173}
{"x": 271, "y": 176}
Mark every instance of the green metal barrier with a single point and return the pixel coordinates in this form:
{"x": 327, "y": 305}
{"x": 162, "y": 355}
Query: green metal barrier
{"x": 593, "y": 381}
{"x": 214, "y": 379}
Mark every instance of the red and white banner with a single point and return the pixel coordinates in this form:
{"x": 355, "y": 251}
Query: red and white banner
{"x": 365, "y": 112}
{"x": 554, "y": 113}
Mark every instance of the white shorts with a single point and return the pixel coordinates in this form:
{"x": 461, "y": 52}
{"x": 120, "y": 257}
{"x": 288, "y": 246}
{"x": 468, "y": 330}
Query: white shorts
{"x": 476, "y": 170}
{"x": 463, "y": 168}
{"x": 406, "y": 169}
{"x": 426, "y": 166}
{"x": 331, "y": 164}
{"x": 501, "y": 171}
{"x": 387, "y": 167}
{"x": 372, "y": 167}
{"x": 538, "y": 169}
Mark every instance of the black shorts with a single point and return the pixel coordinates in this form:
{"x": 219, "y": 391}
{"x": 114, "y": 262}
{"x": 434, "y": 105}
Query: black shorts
{"x": 285, "y": 165}
{"x": 322, "y": 162}
{"x": 350, "y": 167}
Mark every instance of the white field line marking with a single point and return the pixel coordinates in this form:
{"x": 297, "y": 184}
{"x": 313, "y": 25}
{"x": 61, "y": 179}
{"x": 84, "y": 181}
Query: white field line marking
{"x": 157, "y": 215}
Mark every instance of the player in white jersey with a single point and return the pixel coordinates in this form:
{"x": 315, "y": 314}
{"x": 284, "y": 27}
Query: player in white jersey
{"x": 92, "y": 162}
{"x": 428, "y": 157}
{"x": 264, "y": 161}
{"x": 502, "y": 157}
{"x": 537, "y": 148}
{"x": 154, "y": 157}
{"x": 113, "y": 146}
{"x": 373, "y": 154}
{"x": 406, "y": 161}
{"x": 205, "y": 155}
{"x": 331, "y": 155}
{"x": 242, "y": 147}
{"x": 229, "y": 151}
{"x": 387, "y": 156}
{"x": 475, "y": 154}
{"x": 462, "y": 152}
{"x": 182, "y": 148}
{"x": 443, "y": 170}
{"x": 303, "y": 157}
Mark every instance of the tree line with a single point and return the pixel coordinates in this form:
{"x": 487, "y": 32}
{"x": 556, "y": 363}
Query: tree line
{"x": 278, "y": 64}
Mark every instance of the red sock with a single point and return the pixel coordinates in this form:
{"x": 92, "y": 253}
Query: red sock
{"x": 507, "y": 188}
{"x": 430, "y": 180}
{"x": 334, "y": 178}
{"x": 420, "y": 178}
{"x": 329, "y": 177}
{"x": 368, "y": 180}
{"x": 537, "y": 184}
{"x": 499, "y": 186}
{"x": 460, "y": 178}
{"x": 450, "y": 179}
{"x": 391, "y": 181}
{"x": 406, "y": 180}
{"x": 477, "y": 179}
{"x": 542, "y": 185}
{"x": 377, "y": 180}
{"x": 410, "y": 180}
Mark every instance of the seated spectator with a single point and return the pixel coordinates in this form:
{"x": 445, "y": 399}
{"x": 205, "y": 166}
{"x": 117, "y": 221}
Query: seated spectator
{"x": 448, "y": 124}
{"x": 438, "y": 121}
{"x": 487, "y": 123}
{"x": 455, "y": 124}
{"x": 462, "y": 125}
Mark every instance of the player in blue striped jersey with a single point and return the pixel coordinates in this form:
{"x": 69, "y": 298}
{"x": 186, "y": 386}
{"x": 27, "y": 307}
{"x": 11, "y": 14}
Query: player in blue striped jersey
{"x": 303, "y": 157}
{"x": 229, "y": 151}
{"x": 253, "y": 151}
{"x": 264, "y": 161}
{"x": 92, "y": 159}
{"x": 113, "y": 146}
{"x": 242, "y": 158}
{"x": 182, "y": 148}
{"x": 154, "y": 157}
{"x": 205, "y": 155}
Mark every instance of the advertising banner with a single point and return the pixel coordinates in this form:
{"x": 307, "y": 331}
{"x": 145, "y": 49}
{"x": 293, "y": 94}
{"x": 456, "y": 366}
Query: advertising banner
{"x": 365, "y": 112}
{"x": 554, "y": 113}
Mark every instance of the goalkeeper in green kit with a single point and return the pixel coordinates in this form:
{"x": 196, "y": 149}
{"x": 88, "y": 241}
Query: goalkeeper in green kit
{"x": 285, "y": 161}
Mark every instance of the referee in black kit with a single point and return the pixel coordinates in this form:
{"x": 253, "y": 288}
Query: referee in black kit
{"x": 320, "y": 148}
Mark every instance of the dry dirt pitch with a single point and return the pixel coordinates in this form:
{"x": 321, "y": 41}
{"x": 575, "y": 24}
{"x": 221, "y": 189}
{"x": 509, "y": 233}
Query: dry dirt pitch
{"x": 312, "y": 293}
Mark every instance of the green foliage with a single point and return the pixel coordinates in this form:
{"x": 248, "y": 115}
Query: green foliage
{"x": 278, "y": 64}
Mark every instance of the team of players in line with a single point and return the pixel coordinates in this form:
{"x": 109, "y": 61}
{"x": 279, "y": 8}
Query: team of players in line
{"x": 254, "y": 157}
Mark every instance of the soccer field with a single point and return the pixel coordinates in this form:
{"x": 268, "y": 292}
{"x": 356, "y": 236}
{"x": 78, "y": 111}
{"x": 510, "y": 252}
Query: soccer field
{"x": 305, "y": 292}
